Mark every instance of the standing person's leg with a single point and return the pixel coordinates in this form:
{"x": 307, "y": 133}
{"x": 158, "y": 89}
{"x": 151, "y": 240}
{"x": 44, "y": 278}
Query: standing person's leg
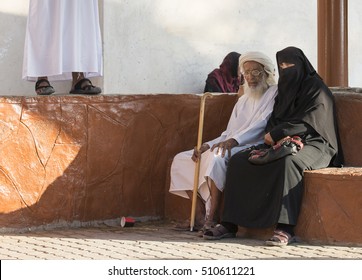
{"x": 77, "y": 76}
{"x": 39, "y": 60}
{"x": 83, "y": 53}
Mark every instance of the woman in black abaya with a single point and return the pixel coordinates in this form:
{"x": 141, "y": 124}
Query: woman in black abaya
{"x": 261, "y": 196}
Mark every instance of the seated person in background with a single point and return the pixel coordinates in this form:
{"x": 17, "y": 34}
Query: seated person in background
{"x": 262, "y": 196}
{"x": 226, "y": 78}
{"x": 245, "y": 128}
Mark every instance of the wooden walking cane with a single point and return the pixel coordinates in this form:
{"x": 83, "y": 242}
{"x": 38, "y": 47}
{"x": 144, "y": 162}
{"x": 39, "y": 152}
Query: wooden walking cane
{"x": 197, "y": 166}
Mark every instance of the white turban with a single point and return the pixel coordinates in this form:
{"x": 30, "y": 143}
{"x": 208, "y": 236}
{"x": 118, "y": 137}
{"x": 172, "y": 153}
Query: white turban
{"x": 263, "y": 60}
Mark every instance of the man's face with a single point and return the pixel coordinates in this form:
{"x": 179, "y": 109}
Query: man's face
{"x": 253, "y": 73}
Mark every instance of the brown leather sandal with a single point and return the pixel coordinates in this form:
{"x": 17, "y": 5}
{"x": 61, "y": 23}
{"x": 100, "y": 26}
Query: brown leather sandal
{"x": 207, "y": 226}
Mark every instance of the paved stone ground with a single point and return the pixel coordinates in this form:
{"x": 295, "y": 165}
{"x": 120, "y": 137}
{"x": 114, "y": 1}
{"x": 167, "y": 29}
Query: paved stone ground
{"x": 153, "y": 241}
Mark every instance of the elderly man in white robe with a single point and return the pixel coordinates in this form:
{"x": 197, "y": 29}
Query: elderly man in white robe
{"x": 245, "y": 129}
{"x": 63, "y": 42}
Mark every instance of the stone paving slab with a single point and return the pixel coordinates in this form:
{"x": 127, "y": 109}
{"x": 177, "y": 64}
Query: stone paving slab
{"x": 154, "y": 241}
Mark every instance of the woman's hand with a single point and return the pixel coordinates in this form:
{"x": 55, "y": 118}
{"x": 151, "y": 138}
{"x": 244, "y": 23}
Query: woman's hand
{"x": 225, "y": 146}
{"x": 268, "y": 139}
{"x": 197, "y": 153}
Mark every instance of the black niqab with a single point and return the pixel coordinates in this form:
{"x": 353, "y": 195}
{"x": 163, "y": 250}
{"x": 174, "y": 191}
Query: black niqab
{"x": 303, "y": 97}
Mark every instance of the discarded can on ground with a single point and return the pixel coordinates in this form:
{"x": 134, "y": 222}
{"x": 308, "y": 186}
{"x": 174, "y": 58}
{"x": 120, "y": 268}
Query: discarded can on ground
{"x": 127, "y": 222}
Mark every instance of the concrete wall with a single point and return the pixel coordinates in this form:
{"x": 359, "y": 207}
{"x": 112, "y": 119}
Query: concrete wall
{"x": 68, "y": 159}
{"x": 72, "y": 160}
{"x": 170, "y": 45}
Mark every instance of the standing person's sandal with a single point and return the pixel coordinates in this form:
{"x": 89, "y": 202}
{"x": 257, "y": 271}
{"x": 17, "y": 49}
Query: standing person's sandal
{"x": 45, "y": 89}
{"x": 85, "y": 86}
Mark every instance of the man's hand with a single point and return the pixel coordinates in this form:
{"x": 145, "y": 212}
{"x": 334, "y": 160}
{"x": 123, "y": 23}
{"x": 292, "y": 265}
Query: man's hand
{"x": 197, "y": 153}
{"x": 225, "y": 146}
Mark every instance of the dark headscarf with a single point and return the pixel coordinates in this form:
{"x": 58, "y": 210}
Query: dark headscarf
{"x": 225, "y": 78}
{"x": 304, "y": 97}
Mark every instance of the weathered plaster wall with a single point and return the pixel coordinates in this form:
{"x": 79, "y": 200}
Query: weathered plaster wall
{"x": 170, "y": 45}
{"x": 81, "y": 158}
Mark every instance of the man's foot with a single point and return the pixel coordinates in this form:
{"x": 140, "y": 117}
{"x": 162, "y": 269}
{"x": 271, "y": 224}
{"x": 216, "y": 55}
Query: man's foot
{"x": 207, "y": 226}
{"x": 218, "y": 232}
{"x": 85, "y": 86}
{"x": 43, "y": 87}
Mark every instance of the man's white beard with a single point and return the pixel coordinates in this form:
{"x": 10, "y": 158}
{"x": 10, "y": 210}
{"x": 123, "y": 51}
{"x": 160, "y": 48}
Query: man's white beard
{"x": 256, "y": 92}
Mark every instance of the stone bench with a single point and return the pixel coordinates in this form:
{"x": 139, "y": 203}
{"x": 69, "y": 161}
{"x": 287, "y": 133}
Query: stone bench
{"x": 332, "y": 204}
{"x": 74, "y": 160}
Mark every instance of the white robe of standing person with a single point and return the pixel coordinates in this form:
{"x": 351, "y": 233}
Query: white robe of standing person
{"x": 62, "y": 38}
